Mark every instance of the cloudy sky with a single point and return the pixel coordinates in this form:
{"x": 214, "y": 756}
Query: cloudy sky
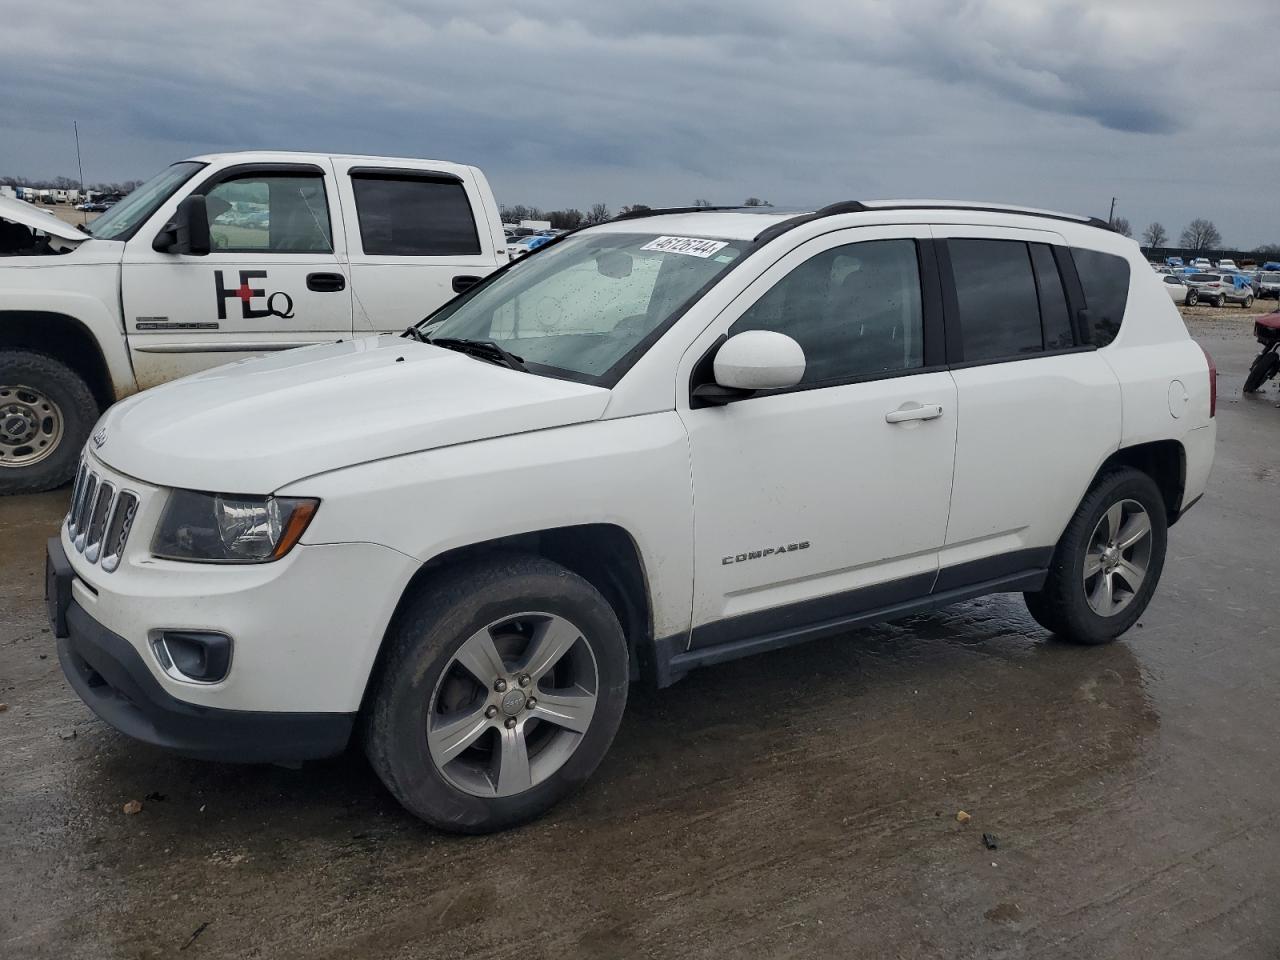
{"x": 1169, "y": 106}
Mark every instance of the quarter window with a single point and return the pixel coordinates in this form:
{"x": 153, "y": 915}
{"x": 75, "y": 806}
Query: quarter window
{"x": 996, "y": 295}
{"x": 269, "y": 214}
{"x": 1105, "y": 279}
{"x": 855, "y": 311}
{"x": 414, "y": 216}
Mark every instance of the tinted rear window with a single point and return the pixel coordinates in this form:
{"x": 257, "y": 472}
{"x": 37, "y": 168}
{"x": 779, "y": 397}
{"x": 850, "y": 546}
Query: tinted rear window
{"x": 996, "y": 294}
{"x": 414, "y": 217}
{"x": 1105, "y": 278}
{"x": 1055, "y": 318}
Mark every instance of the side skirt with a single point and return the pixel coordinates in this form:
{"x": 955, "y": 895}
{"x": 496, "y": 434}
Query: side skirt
{"x": 672, "y": 657}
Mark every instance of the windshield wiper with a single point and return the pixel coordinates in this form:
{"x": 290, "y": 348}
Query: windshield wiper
{"x": 480, "y": 349}
{"x": 413, "y": 333}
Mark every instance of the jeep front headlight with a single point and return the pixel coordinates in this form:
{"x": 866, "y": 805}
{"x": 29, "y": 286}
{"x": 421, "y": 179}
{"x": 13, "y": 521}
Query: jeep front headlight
{"x": 228, "y": 528}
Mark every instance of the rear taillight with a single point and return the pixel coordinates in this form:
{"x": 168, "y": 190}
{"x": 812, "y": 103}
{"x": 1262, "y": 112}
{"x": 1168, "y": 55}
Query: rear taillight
{"x": 1213, "y": 382}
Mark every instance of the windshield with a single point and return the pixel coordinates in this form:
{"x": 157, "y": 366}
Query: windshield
{"x": 581, "y": 307}
{"x": 123, "y": 218}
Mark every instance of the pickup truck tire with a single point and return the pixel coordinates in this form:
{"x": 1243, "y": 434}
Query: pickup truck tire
{"x": 1262, "y": 369}
{"x": 46, "y": 413}
{"x": 500, "y": 690}
{"x": 1116, "y": 537}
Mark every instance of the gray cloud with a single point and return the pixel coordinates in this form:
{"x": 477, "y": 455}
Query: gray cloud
{"x": 1057, "y": 103}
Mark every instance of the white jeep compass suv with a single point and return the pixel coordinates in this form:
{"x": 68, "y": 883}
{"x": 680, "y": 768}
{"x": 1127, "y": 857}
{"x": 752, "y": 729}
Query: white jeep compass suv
{"x": 650, "y": 447}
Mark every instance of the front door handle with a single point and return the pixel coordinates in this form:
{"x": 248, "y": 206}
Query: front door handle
{"x": 326, "y": 282}
{"x": 463, "y": 283}
{"x": 914, "y": 411}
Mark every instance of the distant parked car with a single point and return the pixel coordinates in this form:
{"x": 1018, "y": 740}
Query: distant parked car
{"x": 1266, "y": 283}
{"x": 1201, "y": 263}
{"x": 1210, "y": 287}
{"x": 1178, "y": 291}
{"x": 1173, "y": 261}
{"x": 1227, "y": 266}
{"x": 526, "y": 245}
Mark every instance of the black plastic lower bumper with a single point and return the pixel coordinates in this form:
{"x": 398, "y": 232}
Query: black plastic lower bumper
{"x": 109, "y": 675}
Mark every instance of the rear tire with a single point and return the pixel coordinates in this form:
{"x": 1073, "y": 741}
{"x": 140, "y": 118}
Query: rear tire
{"x": 46, "y": 413}
{"x": 474, "y": 754}
{"x": 1263, "y": 369}
{"x": 1093, "y": 608}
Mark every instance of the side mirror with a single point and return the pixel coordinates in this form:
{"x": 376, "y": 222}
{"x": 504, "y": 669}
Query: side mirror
{"x": 750, "y": 361}
{"x": 188, "y": 231}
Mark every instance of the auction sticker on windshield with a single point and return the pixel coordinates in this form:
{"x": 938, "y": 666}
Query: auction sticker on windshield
{"x": 689, "y": 246}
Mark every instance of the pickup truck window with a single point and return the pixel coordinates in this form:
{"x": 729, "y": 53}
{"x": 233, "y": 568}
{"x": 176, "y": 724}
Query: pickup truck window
{"x": 269, "y": 213}
{"x": 406, "y": 216}
{"x": 122, "y": 220}
{"x": 587, "y": 304}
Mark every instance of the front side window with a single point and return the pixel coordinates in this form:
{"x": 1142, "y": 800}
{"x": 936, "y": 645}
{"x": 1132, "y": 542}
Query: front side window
{"x": 1105, "y": 279}
{"x": 584, "y": 306}
{"x": 122, "y": 219}
{"x": 408, "y": 216}
{"x": 268, "y": 213}
{"x": 996, "y": 296}
{"x": 855, "y": 310}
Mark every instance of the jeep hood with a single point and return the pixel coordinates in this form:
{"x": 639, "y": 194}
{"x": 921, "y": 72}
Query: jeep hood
{"x": 255, "y": 425}
{"x": 28, "y": 215}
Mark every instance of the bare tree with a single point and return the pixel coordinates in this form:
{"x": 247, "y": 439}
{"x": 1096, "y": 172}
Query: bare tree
{"x": 570, "y": 219}
{"x": 756, "y": 202}
{"x": 636, "y": 208}
{"x": 1200, "y": 234}
{"x": 1155, "y": 235}
{"x": 1121, "y": 226}
{"x": 598, "y": 213}
{"x": 1271, "y": 250}
{"x": 702, "y": 203}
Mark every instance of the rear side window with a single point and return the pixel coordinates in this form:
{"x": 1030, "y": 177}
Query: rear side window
{"x": 414, "y": 216}
{"x": 996, "y": 295}
{"x": 1105, "y": 279}
{"x": 1055, "y": 318}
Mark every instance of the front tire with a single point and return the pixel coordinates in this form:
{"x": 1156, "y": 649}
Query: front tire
{"x": 1220, "y": 300}
{"x": 1108, "y": 562}
{"x": 46, "y": 413}
{"x": 502, "y": 688}
{"x": 1192, "y": 298}
{"x": 1247, "y": 302}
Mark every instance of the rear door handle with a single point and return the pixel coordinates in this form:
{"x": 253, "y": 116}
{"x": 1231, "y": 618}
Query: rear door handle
{"x": 462, "y": 284}
{"x": 326, "y": 282}
{"x": 914, "y": 411}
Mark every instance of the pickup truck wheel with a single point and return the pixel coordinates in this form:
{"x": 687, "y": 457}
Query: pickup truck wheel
{"x": 502, "y": 687}
{"x": 46, "y": 413}
{"x": 1108, "y": 562}
{"x": 1262, "y": 369}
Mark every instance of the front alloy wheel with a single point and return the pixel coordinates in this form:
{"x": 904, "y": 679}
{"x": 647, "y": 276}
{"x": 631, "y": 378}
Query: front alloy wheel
{"x": 512, "y": 705}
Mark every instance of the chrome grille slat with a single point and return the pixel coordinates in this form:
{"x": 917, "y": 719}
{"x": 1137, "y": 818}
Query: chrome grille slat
{"x": 100, "y": 518}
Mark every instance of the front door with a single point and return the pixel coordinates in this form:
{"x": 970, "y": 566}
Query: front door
{"x": 273, "y": 279}
{"x": 821, "y": 502}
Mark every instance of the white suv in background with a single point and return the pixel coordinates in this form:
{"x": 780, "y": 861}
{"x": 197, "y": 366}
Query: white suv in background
{"x": 662, "y": 443}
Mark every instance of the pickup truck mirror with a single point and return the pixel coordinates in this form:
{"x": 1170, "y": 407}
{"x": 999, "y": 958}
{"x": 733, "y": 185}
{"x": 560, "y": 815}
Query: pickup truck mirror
{"x": 188, "y": 231}
{"x": 750, "y": 361}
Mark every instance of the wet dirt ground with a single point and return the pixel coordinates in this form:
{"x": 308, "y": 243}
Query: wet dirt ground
{"x": 797, "y": 804}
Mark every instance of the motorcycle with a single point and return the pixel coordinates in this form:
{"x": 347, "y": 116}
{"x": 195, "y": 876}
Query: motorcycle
{"x": 1267, "y": 363}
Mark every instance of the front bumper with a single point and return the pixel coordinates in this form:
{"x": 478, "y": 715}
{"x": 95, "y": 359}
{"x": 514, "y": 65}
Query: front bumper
{"x": 109, "y": 675}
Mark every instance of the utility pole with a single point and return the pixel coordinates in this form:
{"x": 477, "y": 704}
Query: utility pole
{"x": 1111, "y": 217}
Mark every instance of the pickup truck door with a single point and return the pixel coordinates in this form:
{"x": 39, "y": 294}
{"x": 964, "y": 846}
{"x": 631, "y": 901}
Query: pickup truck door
{"x": 420, "y": 232}
{"x": 274, "y": 279}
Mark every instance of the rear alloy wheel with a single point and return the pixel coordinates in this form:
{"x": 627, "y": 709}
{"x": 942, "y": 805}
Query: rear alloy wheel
{"x": 1108, "y": 562}
{"x": 502, "y": 686}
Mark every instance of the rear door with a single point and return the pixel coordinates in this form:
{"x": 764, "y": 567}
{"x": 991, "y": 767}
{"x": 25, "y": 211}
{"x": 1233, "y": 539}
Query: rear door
{"x": 273, "y": 279}
{"x": 418, "y": 236}
{"x": 1039, "y": 408}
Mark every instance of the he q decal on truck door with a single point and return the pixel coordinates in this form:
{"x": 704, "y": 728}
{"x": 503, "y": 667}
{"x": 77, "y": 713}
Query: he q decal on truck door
{"x": 279, "y": 304}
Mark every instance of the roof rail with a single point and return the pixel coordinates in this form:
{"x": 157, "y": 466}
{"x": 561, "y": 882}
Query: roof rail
{"x": 659, "y": 211}
{"x": 857, "y": 206}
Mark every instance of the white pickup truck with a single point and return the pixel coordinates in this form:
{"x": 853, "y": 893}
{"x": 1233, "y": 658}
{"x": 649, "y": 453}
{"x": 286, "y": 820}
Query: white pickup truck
{"x": 214, "y": 259}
